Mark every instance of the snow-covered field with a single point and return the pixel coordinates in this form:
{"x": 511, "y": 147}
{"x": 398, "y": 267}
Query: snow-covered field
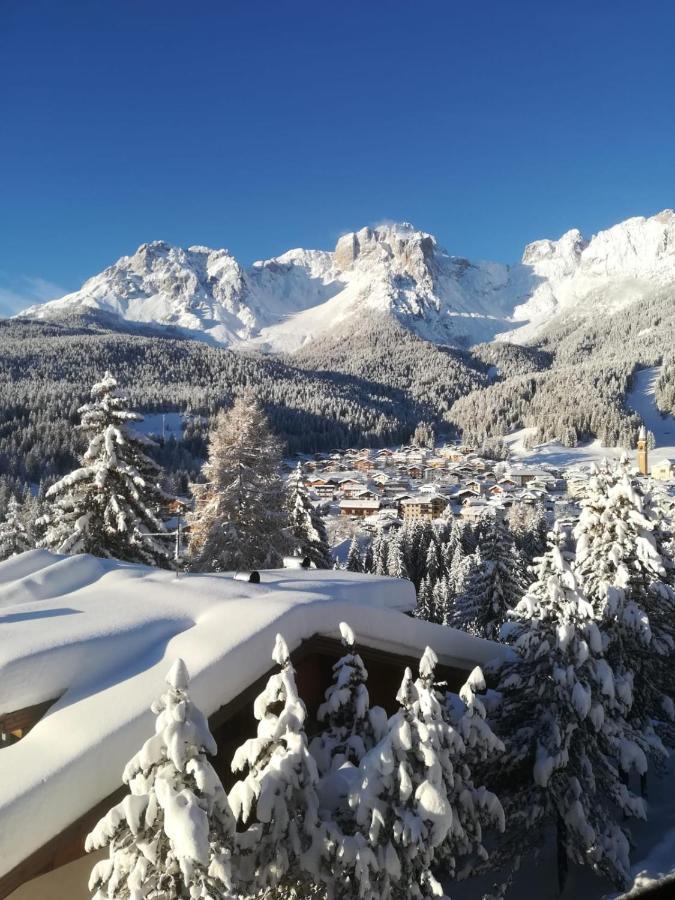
{"x": 164, "y": 425}
{"x": 100, "y": 635}
{"x": 640, "y": 399}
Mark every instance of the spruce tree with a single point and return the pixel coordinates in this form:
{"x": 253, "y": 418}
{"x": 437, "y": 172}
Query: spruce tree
{"x": 624, "y": 562}
{"x": 443, "y": 602}
{"x": 459, "y": 571}
{"x": 276, "y": 801}
{"x": 416, "y": 537}
{"x": 369, "y": 559}
{"x": 566, "y": 742}
{"x": 306, "y": 525}
{"x": 456, "y": 741}
{"x": 496, "y": 582}
{"x": 351, "y": 727}
{"x": 395, "y": 558}
{"x": 425, "y": 601}
{"x": 381, "y": 553}
{"x": 240, "y": 519}
{"x": 354, "y": 561}
{"x": 402, "y": 806}
{"x": 14, "y": 537}
{"x": 114, "y": 504}
{"x": 433, "y": 565}
{"x": 173, "y": 835}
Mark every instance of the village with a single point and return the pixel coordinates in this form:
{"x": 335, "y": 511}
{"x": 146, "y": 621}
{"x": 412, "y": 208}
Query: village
{"x": 381, "y": 489}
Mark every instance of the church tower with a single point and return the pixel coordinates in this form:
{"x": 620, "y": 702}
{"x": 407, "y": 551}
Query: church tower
{"x": 642, "y": 454}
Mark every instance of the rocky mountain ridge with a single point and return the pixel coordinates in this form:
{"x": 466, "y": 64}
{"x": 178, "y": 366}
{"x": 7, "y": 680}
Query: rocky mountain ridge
{"x": 282, "y": 304}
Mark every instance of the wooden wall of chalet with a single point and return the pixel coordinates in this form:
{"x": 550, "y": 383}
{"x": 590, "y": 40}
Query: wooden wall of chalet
{"x": 16, "y": 725}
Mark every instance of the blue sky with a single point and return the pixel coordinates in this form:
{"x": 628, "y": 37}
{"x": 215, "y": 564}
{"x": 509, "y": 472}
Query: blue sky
{"x": 259, "y": 126}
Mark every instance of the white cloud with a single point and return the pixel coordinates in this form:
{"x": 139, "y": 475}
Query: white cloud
{"x": 19, "y": 293}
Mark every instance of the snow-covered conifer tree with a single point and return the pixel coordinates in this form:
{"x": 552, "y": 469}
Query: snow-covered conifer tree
{"x": 354, "y": 560}
{"x": 495, "y": 584}
{"x": 460, "y": 569}
{"x": 624, "y": 563}
{"x": 425, "y": 601}
{"x": 443, "y": 602}
{"x": 433, "y": 566}
{"x": 14, "y": 537}
{"x": 529, "y": 527}
{"x": 306, "y": 524}
{"x": 381, "y": 553}
{"x": 280, "y": 851}
{"x": 395, "y": 560}
{"x": 172, "y": 836}
{"x": 402, "y": 807}
{"x": 351, "y": 728}
{"x": 558, "y": 721}
{"x": 113, "y": 505}
{"x": 416, "y": 537}
{"x": 455, "y": 743}
{"x": 240, "y": 519}
{"x": 369, "y": 559}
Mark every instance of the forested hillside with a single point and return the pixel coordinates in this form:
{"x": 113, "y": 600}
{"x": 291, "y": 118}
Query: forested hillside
{"x": 368, "y": 382}
{"x": 46, "y": 370}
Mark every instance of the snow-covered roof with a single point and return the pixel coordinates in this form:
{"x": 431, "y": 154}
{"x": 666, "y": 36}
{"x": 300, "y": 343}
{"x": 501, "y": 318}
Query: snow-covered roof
{"x": 359, "y": 504}
{"x": 101, "y": 635}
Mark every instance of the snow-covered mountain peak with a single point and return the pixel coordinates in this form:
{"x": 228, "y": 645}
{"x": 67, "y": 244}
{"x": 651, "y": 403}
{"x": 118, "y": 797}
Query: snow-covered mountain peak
{"x": 561, "y": 255}
{"x": 398, "y": 243}
{"x": 392, "y": 268}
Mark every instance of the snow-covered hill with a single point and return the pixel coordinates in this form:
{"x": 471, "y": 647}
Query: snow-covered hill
{"x": 282, "y": 303}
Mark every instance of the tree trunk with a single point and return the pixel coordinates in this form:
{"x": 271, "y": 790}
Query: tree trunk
{"x": 561, "y": 847}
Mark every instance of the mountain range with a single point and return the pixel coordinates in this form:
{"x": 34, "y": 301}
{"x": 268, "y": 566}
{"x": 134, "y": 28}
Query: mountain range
{"x": 284, "y": 303}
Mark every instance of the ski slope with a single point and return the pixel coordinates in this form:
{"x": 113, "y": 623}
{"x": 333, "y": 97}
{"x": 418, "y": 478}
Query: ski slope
{"x": 641, "y": 399}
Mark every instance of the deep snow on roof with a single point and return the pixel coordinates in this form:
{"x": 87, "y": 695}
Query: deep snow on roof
{"x": 101, "y": 635}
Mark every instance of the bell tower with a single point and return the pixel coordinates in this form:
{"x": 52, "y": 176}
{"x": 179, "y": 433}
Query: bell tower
{"x": 642, "y": 453}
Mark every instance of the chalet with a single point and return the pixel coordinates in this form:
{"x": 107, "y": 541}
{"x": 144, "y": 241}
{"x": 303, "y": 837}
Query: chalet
{"x": 380, "y": 482}
{"x": 521, "y": 476}
{"x": 395, "y": 487}
{"x": 385, "y": 520}
{"x": 398, "y": 502}
{"x": 350, "y": 488}
{"x": 663, "y": 471}
{"x": 364, "y": 464}
{"x": 452, "y": 477}
{"x": 359, "y": 507}
{"x": 540, "y": 484}
{"x": 451, "y": 453}
{"x": 423, "y": 507}
{"x": 416, "y": 472}
{"x": 464, "y": 494}
{"x": 326, "y": 489}
{"x": 366, "y": 494}
{"x": 59, "y": 788}
{"x": 474, "y": 509}
{"x": 432, "y": 473}
{"x": 473, "y": 485}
